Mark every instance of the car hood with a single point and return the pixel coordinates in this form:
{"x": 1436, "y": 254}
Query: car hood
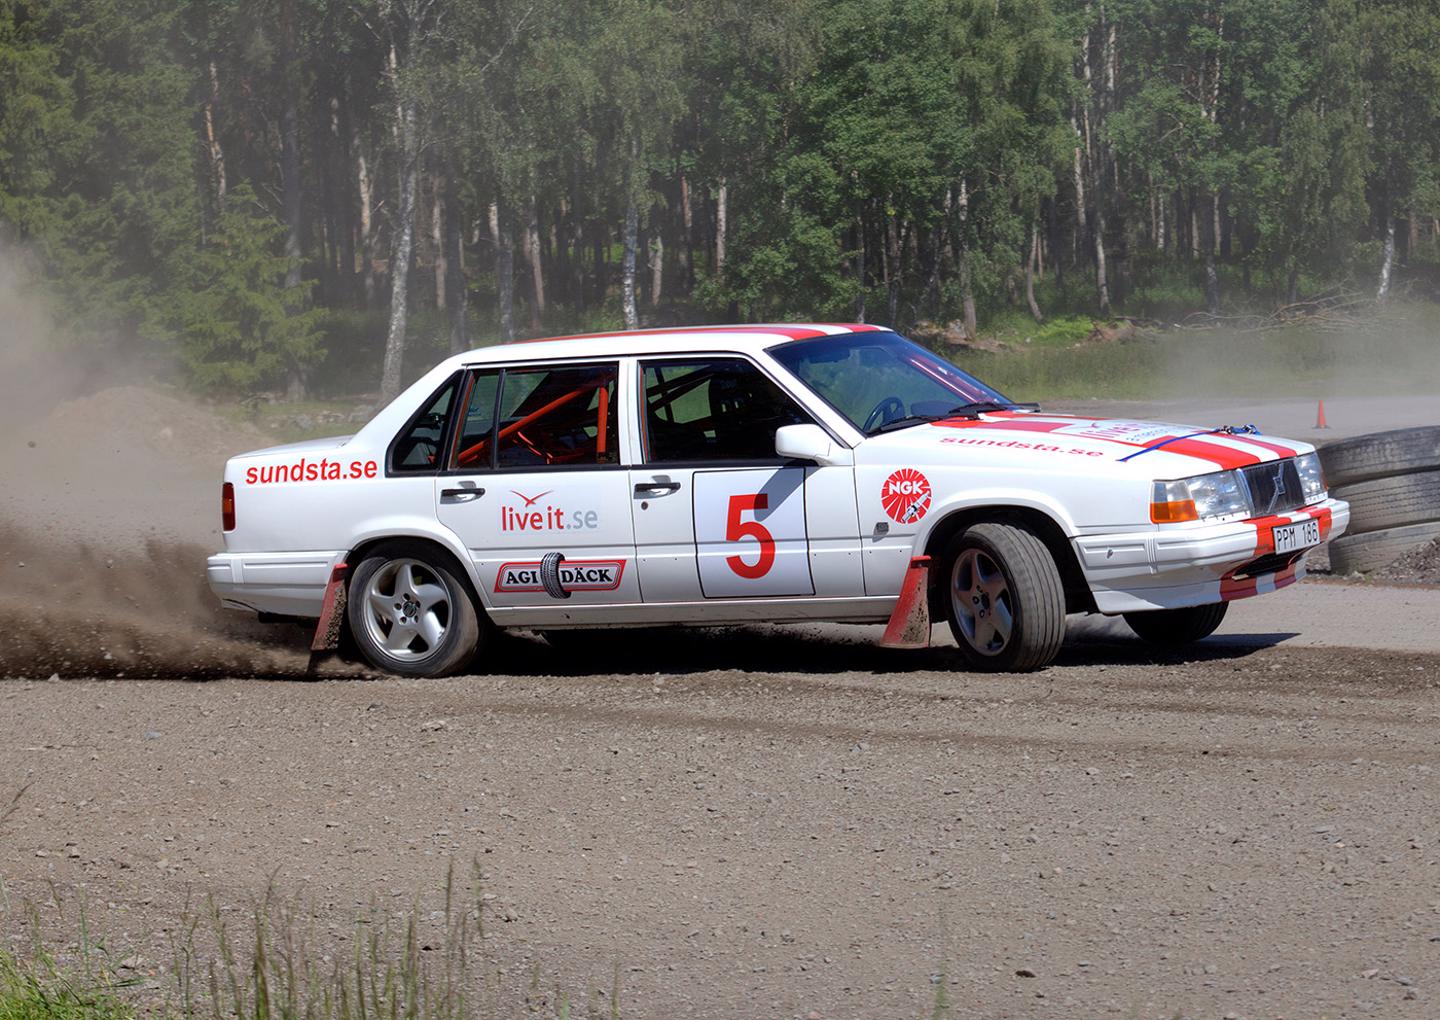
{"x": 1075, "y": 444}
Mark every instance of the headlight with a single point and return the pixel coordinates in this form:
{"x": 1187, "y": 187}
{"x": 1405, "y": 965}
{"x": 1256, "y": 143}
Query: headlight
{"x": 1312, "y": 476}
{"x": 1198, "y": 498}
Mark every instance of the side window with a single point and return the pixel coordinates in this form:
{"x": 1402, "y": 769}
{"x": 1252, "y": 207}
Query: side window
{"x": 713, "y": 409}
{"x": 417, "y": 450}
{"x": 474, "y": 446}
{"x": 558, "y": 416}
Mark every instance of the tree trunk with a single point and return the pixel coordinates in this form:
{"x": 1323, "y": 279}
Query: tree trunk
{"x": 1212, "y": 275}
{"x": 290, "y": 169}
{"x": 722, "y": 201}
{"x": 657, "y": 265}
{"x": 366, "y": 186}
{"x": 1030, "y": 261}
{"x": 1387, "y": 265}
{"x": 457, "y": 298}
{"x": 967, "y": 284}
{"x": 860, "y": 309}
{"x": 687, "y": 250}
{"x": 627, "y": 269}
{"x": 404, "y": 250}
{"x": 437, "y": 237}
{"x": 892, "y": 268}
{"x": 504, "y": 271}
{"x": 1102, "y": 281}
{"x": 212, "y": 142}
{"x": 537, "y": 268}
{"x": 341, "y": 202}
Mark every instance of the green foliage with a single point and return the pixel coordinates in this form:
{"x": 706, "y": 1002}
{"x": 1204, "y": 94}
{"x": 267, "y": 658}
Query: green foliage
{"x": 38, "y": 989}
{"x": 896, "y": 160}
{"x": 235, "y": 323}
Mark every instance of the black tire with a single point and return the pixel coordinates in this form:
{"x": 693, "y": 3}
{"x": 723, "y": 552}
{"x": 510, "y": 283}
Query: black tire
{"x": 462, "y": 624}
{"x": 1033, "y": 596}
{"x": 1381, "y": 455}
{"x": 1171, "y": 628}
{"x": 1384, "y": 503}
{"x": 1360, "y": 554}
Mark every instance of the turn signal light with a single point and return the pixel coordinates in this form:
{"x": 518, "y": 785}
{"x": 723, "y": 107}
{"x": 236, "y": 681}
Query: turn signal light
{"x": 1173, "y": 512}
{"x": 227, "y": 507}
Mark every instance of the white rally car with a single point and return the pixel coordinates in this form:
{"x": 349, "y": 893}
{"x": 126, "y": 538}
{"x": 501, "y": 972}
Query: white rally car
{"x": 726, "y": 474}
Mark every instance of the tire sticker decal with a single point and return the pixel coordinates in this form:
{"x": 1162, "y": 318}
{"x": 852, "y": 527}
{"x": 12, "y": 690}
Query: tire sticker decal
{"x": 575, "y": 575}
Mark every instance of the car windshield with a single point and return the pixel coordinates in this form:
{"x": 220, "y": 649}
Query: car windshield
{"x": 880, "y": 379}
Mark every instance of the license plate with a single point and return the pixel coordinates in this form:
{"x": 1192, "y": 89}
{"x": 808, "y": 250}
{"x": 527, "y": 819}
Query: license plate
{"x": 1289, "y": 537}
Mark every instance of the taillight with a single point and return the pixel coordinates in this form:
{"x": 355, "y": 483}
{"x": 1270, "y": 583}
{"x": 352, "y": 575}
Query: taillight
{"x": 227, "y": 507}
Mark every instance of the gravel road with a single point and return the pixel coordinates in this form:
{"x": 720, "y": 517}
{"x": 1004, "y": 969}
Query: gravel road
{"x": 753, "y": 823}
{"x": 771, "y": 823}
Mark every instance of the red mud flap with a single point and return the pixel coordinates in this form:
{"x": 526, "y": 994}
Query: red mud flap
{"x": 909, "y": 625}
{"x": 332, "y": 616}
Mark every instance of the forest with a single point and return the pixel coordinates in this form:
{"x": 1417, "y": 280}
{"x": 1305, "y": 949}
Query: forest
{"x": 299, "y": 196}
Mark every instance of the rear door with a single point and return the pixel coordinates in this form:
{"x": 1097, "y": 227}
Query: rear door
{"x": 536, "y": 486}
{"x": 717, "y": 514}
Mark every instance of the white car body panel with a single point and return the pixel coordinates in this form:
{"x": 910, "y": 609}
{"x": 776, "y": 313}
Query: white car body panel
{"x": 686, "y": 553}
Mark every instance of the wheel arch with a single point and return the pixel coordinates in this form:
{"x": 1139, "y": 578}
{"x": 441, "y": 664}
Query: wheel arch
{"x": 446, "y": 543}
{"x": 1050, "y": 530}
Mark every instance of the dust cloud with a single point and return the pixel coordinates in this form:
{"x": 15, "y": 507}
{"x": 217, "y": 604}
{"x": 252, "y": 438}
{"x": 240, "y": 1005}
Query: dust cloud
{"x": 1394, "y": 351}
{"x": 109, "y": 503}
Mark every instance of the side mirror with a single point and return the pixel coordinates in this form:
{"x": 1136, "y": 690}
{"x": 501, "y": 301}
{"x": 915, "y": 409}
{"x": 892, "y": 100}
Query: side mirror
{"x": 810, "y": 442}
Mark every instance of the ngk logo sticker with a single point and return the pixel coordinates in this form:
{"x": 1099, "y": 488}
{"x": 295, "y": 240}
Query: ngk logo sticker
{"x": 906, "y": 496}
{"x": 575, "y": 575}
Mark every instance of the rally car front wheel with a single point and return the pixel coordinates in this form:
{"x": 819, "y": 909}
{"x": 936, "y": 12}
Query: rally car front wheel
{"x": 409, "y": 612}
{"x": 1005, "y": 600}
{"x": 1171, "y": 628}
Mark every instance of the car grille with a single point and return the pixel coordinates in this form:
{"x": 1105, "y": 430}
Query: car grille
{"x": 1274, "y": 487}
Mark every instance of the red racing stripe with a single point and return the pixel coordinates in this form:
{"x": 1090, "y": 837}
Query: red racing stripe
{"x": 1232, "y": 588}
{"x": 789, "y": 332}
{"x": 1265, "y": 527}
{"x": 1223, "y": 457}
{"x": 1275, "y": 448}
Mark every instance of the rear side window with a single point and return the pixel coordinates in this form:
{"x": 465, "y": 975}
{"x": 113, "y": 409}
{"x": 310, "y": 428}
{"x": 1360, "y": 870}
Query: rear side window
{"x": 561, "y": 416}
{"x": 714, "y": 409}
{"x": 477, "y": 428}
{"x": 418, "y": 449}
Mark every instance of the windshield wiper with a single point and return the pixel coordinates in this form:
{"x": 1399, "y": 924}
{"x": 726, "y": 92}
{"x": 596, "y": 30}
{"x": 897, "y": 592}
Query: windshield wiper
{"x": 971, "y": 410}
{"x": 904, "y": 423}
{"x": 979, "y": 407}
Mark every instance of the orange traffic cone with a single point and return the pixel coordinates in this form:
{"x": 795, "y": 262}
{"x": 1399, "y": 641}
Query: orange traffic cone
{"x": 1320, "y": 422}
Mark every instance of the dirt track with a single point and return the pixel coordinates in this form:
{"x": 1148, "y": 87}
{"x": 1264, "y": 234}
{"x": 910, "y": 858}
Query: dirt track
{"x": 756, "y": 823}
{"x": 759, "y": 823}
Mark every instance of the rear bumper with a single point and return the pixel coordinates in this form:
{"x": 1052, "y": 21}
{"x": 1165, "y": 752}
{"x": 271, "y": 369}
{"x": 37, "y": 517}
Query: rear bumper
{"x": 1169, "y": 567}
{"x": 287, "y": 584}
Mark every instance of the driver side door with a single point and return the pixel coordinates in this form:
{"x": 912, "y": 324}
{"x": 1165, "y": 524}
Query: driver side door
{"x": 718, "y": 514}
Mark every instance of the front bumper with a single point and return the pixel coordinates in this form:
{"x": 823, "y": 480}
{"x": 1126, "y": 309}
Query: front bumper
{"x": 286, "y": 584}
{"x": 1172, "y": 566}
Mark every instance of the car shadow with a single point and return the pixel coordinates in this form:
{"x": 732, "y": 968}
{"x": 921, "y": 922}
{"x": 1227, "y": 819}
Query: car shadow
{"x": 778, "y": 649}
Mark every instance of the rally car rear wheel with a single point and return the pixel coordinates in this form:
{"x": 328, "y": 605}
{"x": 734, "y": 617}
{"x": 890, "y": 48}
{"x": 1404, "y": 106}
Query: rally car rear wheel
{"x": 1005, "y": 600}
{"x": 1172, "y": 628}
{"x": 410, "y": 614}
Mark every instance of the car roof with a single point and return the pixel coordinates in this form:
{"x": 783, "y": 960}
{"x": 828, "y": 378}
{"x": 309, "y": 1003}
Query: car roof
{"x": 746, "y": 338}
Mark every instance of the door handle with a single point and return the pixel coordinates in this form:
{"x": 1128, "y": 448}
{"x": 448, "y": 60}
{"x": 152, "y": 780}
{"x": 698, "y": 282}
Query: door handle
{"x": 650, "y": 488}
{"x": 462, "y": 495}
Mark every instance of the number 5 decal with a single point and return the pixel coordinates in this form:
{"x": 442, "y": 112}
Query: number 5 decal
{"x": 737, "y": 530}
{"x": 750, "y": 535}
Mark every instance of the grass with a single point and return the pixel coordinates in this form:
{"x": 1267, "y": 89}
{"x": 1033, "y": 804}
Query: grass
{"x": 1394, "y": 352}
{"x": 283, "y": 961}
{"x": 37, "y": 988}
